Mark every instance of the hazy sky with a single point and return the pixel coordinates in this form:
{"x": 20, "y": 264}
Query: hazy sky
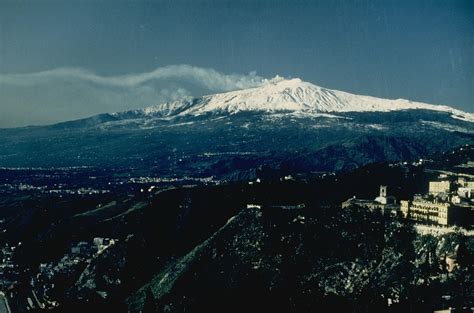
{"x": 63, "y": 60}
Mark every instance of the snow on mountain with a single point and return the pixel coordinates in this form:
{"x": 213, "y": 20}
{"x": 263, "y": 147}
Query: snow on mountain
{"x": 290, "y": 95}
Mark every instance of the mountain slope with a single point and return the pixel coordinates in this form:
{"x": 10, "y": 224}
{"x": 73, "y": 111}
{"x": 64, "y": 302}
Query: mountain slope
{"x": 286, "y": 260}
{"x": 283, "y": 124}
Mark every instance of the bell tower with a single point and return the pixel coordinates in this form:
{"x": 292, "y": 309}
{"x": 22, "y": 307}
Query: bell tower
{"x": 383, "y": 191}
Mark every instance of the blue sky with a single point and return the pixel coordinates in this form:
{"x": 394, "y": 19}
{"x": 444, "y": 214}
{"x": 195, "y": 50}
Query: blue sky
{"x": 63, "y": 60}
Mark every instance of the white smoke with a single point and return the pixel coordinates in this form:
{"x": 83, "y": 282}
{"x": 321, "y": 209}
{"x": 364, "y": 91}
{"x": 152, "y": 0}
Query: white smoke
{"x": 71, "y": 93}
{"x": 205, "y": 77}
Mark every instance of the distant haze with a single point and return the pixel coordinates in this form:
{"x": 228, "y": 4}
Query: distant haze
{"x": 62, "y": 60}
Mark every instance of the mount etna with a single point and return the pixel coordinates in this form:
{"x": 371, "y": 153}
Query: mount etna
{"x": 284, "y": 124}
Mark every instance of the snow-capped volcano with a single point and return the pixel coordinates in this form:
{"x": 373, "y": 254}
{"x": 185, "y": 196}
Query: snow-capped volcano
{"x": 290, "y": 95}
{"x": 294, "y": 125}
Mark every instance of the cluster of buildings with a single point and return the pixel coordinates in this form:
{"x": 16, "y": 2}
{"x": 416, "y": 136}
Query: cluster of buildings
{"x": 82, "y": 252}
{"x": 70, "y": 265}
{"x": 449, "y": 201}
{"x": 45, "y": 285}
{"x": 148, "y": 180}
{"x": 51, "y": 189}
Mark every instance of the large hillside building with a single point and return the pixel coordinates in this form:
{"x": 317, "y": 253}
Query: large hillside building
{"x": 427, "y": 211}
